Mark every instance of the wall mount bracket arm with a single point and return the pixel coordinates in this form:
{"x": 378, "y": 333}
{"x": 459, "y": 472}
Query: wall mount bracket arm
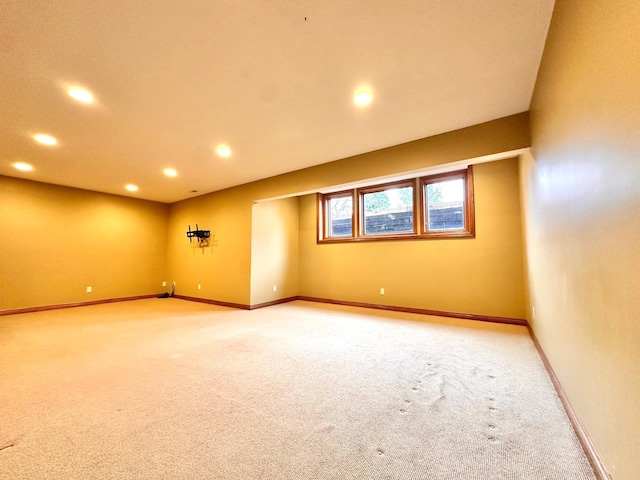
{"x": 200, "y": 235}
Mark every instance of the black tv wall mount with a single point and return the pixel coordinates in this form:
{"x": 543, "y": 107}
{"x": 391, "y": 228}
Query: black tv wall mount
{"x": 200, "y": 235}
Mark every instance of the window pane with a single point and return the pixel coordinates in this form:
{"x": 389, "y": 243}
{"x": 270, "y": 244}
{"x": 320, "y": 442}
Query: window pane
{"x": 389, "y": 211}
{"x": 445, "y": 201}
{"x": 340, "y": 214}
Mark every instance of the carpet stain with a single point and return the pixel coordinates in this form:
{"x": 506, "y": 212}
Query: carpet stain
{"x": 326, "y": 428}
{"x": 5, "y": 447}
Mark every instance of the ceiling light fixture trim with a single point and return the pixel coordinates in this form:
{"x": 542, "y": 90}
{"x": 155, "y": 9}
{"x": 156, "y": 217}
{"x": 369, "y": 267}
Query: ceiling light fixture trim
{"x": 45, "y": 139}
{"x": 23, "y": 167}
{"x": 81, "y": 94}
{"x": 223, "y": 151}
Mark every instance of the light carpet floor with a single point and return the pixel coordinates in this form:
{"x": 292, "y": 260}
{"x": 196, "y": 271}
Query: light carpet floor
{"x": 164, "y": 388}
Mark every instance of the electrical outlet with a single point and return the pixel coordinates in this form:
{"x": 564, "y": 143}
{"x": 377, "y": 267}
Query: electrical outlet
{"x": 164, "y": 284}
{"x": 275, "y": 288}
{"x": 199, "y": 287}
{"x": 533, "y": 312}
{"x": 382, "y": 291}
{"x": 89, "y": 289}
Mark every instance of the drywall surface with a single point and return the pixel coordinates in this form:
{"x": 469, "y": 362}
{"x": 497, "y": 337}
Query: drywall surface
{"x": 274, "y": 250}
{"x": 482, "y": 275}
{"x": 222, "y": 268}
{"x": 489, "y": 138}
{"x": 57, "y": 241}
{"x": 581, "y": 191}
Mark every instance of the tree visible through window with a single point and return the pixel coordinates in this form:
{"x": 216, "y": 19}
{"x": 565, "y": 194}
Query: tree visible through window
{"x": 448, "y": 204}
{"x": 443, "y": 203}
{"x": 340, "y": 216}
{"x": 388, "y": 211}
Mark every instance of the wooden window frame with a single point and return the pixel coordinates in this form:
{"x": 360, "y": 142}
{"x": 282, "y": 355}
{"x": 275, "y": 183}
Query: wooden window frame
{"x": 469, "y": 229}
{"x": 323, "y": 225}
{"x": 361, "y": 192}
{"x": 420, "y": 232}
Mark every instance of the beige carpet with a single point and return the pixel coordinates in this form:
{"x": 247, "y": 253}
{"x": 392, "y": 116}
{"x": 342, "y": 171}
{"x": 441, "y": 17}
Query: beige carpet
{"x": 157, "y": 389}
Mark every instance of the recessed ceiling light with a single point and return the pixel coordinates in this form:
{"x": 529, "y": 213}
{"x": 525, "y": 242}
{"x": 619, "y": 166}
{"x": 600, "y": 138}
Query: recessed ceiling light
{"x": 45, "y": 139}
{"x": 362, "y": 97}
{"x": 223, "y": 151}
{"x": 24, "y": 167}
{"x": 132, "y": 188}
{"x": 170, "y": 172}
{"x": 80, "y": 94}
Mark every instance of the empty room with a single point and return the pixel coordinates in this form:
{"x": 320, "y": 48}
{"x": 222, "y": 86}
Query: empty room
{"x": 330, "y": 240}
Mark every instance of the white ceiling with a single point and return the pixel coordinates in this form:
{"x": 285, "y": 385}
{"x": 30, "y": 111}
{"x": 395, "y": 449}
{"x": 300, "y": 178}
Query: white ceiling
{"x": 273, "y": 79}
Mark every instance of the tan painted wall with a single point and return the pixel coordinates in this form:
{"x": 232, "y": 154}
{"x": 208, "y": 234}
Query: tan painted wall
{"x": 479, "y": 276}
{"x": 582, "y": 205}
{"x": 56, "y": 241}
{"x": 274, "y": 250}
{"x": 497, "y": 136}
{"x": 224, "y": 268}
{"x": 60, "y": 240}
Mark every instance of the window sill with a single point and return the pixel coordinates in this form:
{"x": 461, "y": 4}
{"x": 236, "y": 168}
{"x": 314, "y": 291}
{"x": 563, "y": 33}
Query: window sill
{"x": 382, "y": 238}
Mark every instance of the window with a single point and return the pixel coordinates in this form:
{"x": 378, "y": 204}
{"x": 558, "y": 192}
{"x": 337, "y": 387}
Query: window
{"x": 339, "y": 213}
{"x": 437, "y": 206}
{"x": 447, "y": 205}
{"x": 387, "y": 209}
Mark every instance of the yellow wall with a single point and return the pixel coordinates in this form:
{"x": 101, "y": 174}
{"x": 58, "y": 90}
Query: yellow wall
{"x": 581, "y": 193}
{"x": 224, "y": 268}
{"x": 478, "y": 276}
{"x": 274, "y": 250}
{"x": 59, "y": 240}
{"x": 56, "y": 241}
{"x": 497, "y": 136}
